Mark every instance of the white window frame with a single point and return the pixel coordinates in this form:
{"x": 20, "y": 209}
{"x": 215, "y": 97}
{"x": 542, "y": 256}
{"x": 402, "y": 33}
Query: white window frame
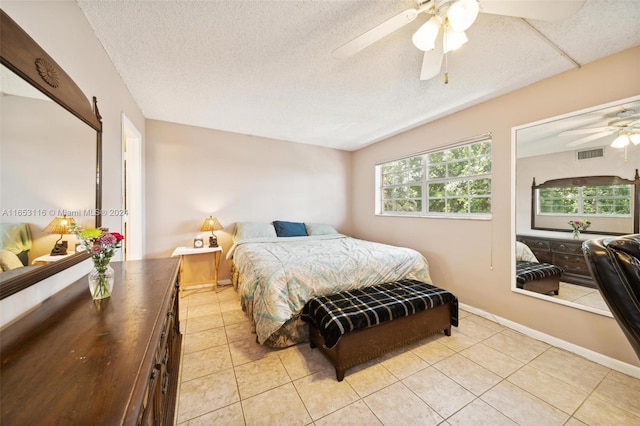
{"x": 580, "y": 202}
{"x": 379, "y": 192}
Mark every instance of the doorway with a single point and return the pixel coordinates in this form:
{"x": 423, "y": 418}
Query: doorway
{"x": 132, "y": 190}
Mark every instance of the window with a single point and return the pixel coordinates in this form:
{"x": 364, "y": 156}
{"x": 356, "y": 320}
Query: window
{"x": 591, "y": 200}
{"x": 452, "y": 182}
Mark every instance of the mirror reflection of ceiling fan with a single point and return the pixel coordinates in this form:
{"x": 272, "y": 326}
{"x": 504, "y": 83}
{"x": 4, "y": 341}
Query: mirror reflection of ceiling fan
{"x": 445, "y": 30}
{"x": 626, "y": 125}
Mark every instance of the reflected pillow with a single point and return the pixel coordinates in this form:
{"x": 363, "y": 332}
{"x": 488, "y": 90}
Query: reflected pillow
{"x": 319, "y": 229}
{"x": 524, "y": 253}
{"x": 290, "y": 229}
{"x": 9, "y": 261}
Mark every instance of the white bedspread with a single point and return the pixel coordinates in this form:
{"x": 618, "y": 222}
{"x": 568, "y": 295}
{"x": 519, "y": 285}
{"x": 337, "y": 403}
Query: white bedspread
{"x": 279, "y": 275}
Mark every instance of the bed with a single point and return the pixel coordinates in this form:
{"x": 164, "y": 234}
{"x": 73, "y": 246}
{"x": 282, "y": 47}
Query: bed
{"x": 277, "y": 268}
{"x": 15, "y": 243}
{"x": 533, "y": 275}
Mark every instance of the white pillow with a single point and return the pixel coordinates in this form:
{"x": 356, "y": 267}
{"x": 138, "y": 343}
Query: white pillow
{"x": 9, "y": 261}
{"x": 250, "y": 230}
{"x": 319, "y": 229}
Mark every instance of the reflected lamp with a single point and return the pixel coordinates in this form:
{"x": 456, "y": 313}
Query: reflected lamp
{"x": 59, "y": 225}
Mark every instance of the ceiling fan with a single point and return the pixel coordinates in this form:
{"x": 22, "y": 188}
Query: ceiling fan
{"x": 626, "y": 125}
{"x": 445, "y": 30}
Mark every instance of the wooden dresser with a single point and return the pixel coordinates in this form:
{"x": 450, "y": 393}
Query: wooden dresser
{"x": 73, "y": 361}
{"x": 564, "y": 253}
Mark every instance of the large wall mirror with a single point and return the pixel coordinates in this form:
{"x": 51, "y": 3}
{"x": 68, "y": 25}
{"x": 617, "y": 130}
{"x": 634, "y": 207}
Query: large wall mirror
{"x": 580, "y": 151}
{"x": 50, "y": 156}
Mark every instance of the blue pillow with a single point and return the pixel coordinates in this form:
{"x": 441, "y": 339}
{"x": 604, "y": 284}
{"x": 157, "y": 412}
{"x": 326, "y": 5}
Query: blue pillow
{"x": 290, "y": 229}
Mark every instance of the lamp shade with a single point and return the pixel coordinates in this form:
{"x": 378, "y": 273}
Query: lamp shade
{"x": 453, "y": 39}
{"x": 621, "y": 141}
{"x": 211, "y": 224}
{"x": 462, "y": 14}
{"x": 60, "y": 225}
{"x": 425, "y": 38}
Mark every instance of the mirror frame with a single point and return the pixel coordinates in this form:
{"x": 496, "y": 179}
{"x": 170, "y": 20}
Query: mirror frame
{"x": 22, "y": 55}
{"x": 588, "y": 181}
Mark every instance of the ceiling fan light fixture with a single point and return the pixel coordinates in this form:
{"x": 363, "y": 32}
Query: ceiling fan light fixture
{"x": 462, "y": 14}
{"x": 425, "y": 38}
{"x": 453, "y": 39}
{"x": 621, "y": 141}
{"x": 635, "y": 138}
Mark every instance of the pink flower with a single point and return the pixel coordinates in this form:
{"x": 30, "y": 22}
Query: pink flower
{"x": 108, "y": 239}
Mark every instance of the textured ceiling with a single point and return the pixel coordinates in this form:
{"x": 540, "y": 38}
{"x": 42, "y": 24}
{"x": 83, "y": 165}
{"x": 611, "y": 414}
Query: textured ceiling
{"x": 265, "y": 67}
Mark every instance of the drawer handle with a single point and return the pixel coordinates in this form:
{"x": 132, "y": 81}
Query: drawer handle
{"x": 562, "y": 246}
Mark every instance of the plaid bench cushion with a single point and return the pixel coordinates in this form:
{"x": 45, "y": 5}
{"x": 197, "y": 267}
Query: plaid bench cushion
{"x": 351, "y": 310}
{"x": 530, "y": 271}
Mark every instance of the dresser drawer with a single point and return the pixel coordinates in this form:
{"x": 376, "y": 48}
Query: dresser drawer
{"x": 571, "y": 263}
{"x": 565, "y": 247}
{"x": 543, "y": 256}
{"x": 539, "y": 245}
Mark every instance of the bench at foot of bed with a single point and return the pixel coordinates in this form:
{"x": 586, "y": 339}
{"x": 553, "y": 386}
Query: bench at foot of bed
{"x": 353, "y": 327}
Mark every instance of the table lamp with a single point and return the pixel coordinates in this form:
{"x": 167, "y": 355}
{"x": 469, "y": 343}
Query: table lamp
{"x": 59, "y": 225}
{"x": 211, "y": 224}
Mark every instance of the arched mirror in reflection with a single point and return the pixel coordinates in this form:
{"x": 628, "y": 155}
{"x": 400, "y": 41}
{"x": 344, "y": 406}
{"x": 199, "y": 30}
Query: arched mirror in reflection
{"x": 593, "y": 155}
{"x": 50, "y": 149}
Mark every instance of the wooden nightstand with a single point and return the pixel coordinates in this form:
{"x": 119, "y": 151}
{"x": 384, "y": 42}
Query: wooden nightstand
{"x": 214, "y": 252}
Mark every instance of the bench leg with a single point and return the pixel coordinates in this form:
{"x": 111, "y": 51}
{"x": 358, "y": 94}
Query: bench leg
{"x": 340, "y": 374}
{"x": 447, "y": 331}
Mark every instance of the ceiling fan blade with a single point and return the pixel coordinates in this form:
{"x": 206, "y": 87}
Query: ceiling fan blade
{"x": 544, "y": 10}
{"x": 431, "y": 63}
{"x": 590, "y": 138}
{"x": 584, "y": 131}
{"x": 376, "y": 33}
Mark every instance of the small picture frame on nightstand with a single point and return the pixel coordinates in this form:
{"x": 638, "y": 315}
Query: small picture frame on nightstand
{"x": 198, "y": 243}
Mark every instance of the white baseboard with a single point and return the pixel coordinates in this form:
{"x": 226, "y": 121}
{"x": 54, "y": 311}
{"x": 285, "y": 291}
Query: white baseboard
{"x": 612, "y": 363}
{"x": 205, "y": 285}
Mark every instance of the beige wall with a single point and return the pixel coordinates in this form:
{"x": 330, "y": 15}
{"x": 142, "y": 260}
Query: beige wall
{"x": 472, "y": 257}
{"x": 194, "y": 172}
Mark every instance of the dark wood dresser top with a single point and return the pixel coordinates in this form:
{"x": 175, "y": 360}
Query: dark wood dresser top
{"x": 76, "y": 361}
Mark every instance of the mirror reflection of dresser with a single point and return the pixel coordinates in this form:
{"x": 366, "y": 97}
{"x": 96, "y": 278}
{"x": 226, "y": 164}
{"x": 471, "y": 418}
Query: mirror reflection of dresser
{"x": 567, "y": 254}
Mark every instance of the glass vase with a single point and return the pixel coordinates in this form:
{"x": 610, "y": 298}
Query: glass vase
{"x": 101, "y": 282}
{"x": 576, "y": 234}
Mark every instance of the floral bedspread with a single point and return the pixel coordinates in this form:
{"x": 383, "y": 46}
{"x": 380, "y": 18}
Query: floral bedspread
{"x": 278, "y": 276}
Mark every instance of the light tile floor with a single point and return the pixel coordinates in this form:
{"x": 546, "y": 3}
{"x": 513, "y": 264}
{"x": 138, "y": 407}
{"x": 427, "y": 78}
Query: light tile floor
{"x": 484, "y": 374}
{"x": 581, "y": 295}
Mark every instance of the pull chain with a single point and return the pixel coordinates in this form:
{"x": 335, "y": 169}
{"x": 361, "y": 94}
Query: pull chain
{"x": 444, "y": 49}
{"x": 446, "y": 69}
